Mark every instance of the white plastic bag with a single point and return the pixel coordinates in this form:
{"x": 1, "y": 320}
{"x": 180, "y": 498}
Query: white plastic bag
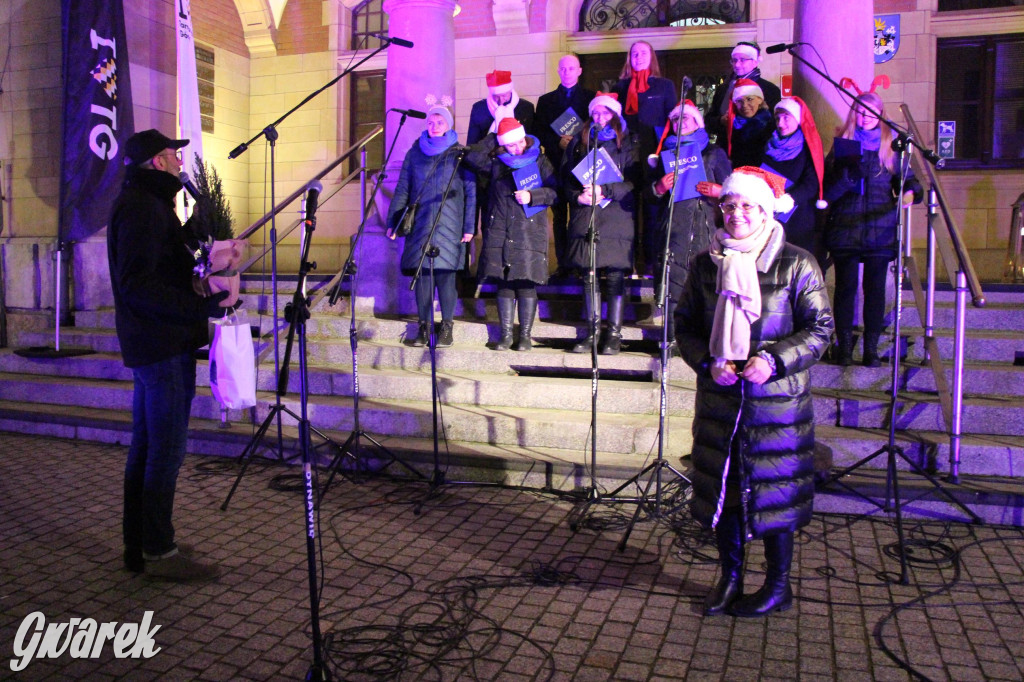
{"x": 233, "y": 362}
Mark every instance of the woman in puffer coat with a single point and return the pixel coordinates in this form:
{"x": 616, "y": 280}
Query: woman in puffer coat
{"x": 751, "y": 347}
{"x": 694, "y": 221}
{"x": 424, "y": 176}
{"x": 515, "y": 248}
{"x": 612, "y": 222}
{"x": 862, "y": 221}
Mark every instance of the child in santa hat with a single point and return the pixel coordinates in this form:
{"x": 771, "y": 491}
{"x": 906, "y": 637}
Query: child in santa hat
{"x": 750, "y": 124}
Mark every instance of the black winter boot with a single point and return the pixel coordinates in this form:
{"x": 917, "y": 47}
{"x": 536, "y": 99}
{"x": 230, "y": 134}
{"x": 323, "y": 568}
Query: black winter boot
{"x": 612, "y": 341}
{"x": 445, "y": 337}
{"x": 586, "y": 343}
{"x": 844, "y": 348}
{"x": 729, "y": 538}
{"x": 776, "y": 594}
{"x": 527, "y": 313}
{"x": 506, "y": 316}
{"x": 871, "y": 358}
{"x": 422, "y": 337}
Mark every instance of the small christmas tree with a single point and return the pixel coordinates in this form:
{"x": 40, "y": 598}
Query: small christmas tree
{"x": 221, "y": 224}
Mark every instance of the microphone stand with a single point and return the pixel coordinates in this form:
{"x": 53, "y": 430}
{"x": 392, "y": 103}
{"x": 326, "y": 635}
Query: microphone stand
{"x": 271, "y": 134}
{"x": 591, "y": 495}
{"x": 429, "y": 251}
{"x": 891, "y": 450}
{"x": 352, "y": 448}
{"x": 663, "y": 296}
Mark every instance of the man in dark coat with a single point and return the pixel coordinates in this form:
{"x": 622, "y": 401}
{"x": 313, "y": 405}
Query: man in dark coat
{"x": 753, "y": 318}
{"x": 161, "y": 321}
{"x": 569, "y": 94}
{"x": 746, "y": 59}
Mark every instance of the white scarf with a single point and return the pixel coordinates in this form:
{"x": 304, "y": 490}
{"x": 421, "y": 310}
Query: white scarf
{"x": 739, "y": 293}
{"x": 501, "y": 112}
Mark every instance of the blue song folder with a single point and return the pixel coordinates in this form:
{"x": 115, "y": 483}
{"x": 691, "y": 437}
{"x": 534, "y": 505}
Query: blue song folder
{"x": 607, "y": 171}
{"x": 691, "y": 170}
{"x": 528, "y": 177}
{"x": 569, "y": 123}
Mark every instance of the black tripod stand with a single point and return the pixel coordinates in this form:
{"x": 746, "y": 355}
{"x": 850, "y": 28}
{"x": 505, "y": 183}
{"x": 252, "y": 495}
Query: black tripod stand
{"x": 892, "y": 452}
{"x": 657, "y": 507}
{"x": 592, "y": 496}
{"x": 352, "y": 449}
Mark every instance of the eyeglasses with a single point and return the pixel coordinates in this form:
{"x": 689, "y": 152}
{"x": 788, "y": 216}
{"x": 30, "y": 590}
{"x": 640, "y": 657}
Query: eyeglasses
{"x": 175, "y": 153}
{"x": 740, "y": 60}
{"x": 745, "y": 209}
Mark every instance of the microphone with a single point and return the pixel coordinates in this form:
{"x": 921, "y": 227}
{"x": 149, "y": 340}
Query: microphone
{"x": 401, "y": 42}
{"x": 781, "y": 47}
{"x": 186, "y": 182}
{"x": 687, "y": 86}
{"x": 411, "y": 113}
{"x": 312, "y": 196}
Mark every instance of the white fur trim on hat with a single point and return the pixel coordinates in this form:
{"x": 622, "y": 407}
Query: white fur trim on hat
{"x": 747, "y": 51}
{"x": 790, "y": 106}
{"x": 755, "y": 189}
{"x": 746, "y": 87}
{"x": 511, "y": 135}
{"x": 603, "y": 100}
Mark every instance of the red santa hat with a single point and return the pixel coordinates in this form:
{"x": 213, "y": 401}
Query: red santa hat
{"x": 740, "y": 89}
{"x": 688, "y": 108}
{"x": 799, "y": 110}
{"x": 510, "y": 131}
{"x": 758, "y": 186}
{"x": 609, "y": 100}
{"x": 499, "y": 82}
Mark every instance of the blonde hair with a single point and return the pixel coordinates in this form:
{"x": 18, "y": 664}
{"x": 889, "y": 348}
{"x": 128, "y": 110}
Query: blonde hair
{"x": 627, "y": 70}
{"x": 885, "y": 153}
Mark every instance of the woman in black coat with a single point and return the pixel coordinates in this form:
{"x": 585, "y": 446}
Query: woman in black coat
{"x": 515, "y": 248}
{"x": 794, "y": 152}
{"x": 862, "y": 192}
{"x": 424, "y": 176}
{"x": 695, "y": 220}
{"x": 750, "y": 124}
{"x": 613, "y": 221}
{"x": 751, "y": 347}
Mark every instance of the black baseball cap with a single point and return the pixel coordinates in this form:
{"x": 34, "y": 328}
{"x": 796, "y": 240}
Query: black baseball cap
{"x": 142, "y": 147}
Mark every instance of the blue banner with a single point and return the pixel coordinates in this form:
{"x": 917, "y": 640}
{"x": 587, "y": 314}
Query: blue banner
{"x": 98, "y": 115}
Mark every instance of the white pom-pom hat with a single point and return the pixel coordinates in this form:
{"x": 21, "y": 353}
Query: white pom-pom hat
{"x": 758, "y": 186}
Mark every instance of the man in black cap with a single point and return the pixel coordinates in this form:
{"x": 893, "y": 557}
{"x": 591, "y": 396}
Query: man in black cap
{"x": 161, "y": 322}
{"x": 746, "y": 61}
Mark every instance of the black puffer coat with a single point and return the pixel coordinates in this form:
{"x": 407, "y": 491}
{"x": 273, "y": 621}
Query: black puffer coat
{"x": 771, "y": 426}
{"x": 862, "y": 218}
{"x": 421, "y": 180}
{"x": 515, "y": 247}
{"x": 614, "y": 222}
{"x": 694, "y": 221}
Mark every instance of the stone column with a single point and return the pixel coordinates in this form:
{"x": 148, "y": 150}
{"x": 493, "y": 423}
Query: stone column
{"x": 427, "y": 68}
{"x": 842, "y": 32}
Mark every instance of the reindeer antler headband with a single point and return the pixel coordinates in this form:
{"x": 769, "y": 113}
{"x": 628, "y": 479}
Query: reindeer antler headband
{"x": 882, "y": 80}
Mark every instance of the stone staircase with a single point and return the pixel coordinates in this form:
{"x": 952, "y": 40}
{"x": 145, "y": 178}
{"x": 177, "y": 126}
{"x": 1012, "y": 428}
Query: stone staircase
{"x": 525, "y": 418}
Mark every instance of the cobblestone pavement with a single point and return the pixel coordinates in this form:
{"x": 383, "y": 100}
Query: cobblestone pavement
{"x": 484, "y": 584}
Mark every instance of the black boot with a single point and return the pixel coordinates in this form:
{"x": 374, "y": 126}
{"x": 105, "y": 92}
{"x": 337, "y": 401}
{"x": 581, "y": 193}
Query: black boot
{"x": 586, "y": 343}
{"x": 612, "y": 341}
{"x": 445, "y": 337}
{"x": 527, "y": 312}
{"x": 776, "y": 594}
{"x": 506, "y": 316}
{"x": 844, "y": 348}
{"x": 729, "y": 537}
{"x": 871, "y": 358}
{"x": 422, "y": 337}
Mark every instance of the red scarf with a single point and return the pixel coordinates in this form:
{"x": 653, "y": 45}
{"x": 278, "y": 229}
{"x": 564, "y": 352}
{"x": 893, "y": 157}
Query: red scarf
{"x": 637, "y": 84}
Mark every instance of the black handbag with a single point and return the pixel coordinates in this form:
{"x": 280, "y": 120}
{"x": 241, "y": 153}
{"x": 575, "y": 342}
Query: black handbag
{"x": 407, "y": 219}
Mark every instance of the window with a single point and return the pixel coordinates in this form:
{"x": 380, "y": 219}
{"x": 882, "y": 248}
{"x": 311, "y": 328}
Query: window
{"x": 614, "y": 15}
{"x": 980, "y": 86}
{"x": 367, "y": 107}
{"x": 368, "y": 18}
{"x": 204, "y": 72}
{"x": 956, "y": 5}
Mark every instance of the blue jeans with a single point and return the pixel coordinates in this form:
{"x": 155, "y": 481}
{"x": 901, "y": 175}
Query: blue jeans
{"x": 160, "y": 412}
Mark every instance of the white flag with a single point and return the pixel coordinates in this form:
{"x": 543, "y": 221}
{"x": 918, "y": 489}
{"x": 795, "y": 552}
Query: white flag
{"x": 189, "y": 121}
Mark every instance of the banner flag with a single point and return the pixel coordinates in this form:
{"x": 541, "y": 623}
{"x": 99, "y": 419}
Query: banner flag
{"x": 189, "y": 121}
{"x": 97, "y": 114}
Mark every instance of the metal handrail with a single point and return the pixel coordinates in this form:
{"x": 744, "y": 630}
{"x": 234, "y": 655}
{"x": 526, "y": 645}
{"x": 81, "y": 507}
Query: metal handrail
{"x": 963, "y": 278}
{"x": 377, "y": 130}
